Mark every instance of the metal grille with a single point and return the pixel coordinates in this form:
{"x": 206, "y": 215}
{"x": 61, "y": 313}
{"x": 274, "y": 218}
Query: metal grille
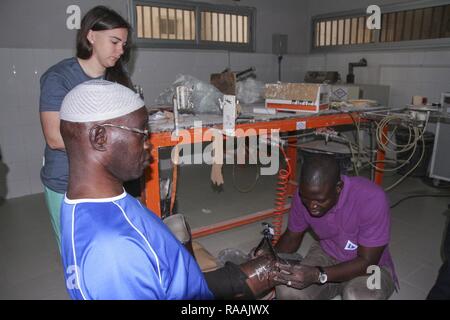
{"x": 189, "y": 24}
{"x": 224, "y": 27}
{"x": 345, "y": 31}
{"x": 154, "y": 22}
{"x": 417, "y": 24}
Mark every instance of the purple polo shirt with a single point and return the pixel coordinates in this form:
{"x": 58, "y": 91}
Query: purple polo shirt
{"x": 360, "y": 217}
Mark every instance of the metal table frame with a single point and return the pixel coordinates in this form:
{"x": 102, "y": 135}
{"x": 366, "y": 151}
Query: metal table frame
{"x": 289, "y": 123}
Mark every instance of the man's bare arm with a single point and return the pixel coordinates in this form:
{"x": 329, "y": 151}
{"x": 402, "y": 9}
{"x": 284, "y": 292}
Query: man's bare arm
{"x": 357, "y": 267}
{"x": 289, "y": 241}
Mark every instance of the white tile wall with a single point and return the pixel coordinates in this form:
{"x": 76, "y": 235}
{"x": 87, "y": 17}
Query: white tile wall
{"x": 418, "y": 72}
{"x": 21, "y": 140}
{"x": 408, "y": 73}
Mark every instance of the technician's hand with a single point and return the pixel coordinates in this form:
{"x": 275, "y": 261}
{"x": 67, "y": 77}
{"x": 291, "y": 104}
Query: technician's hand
{"x": 296, "y": 275}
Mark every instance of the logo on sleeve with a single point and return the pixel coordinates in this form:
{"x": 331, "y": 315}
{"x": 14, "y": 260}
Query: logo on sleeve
{"x": 350, "y": 246}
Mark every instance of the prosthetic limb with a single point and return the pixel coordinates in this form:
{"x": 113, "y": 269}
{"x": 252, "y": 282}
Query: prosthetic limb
{"x": 250, "y": 280}
{"x": 259, "y": 274}
{"x": 260, "y": 270}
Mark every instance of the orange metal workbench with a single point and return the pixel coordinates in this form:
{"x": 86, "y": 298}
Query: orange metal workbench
{"x": 161, "y": 136}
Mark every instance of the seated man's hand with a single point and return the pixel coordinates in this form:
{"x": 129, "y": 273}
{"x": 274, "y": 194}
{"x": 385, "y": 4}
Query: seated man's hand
{"x": 296, "y": 275}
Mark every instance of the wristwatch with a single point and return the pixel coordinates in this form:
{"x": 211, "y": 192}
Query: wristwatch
{"x": 322, "y": 275}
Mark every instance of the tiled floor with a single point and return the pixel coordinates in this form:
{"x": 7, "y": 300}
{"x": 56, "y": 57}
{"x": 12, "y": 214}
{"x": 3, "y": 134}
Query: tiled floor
{"x": 30, "y": 266}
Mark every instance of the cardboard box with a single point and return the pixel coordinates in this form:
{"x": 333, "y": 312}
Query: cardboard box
{"x": 340, "y": 92}
{"x": 225, "y": 82}
{"x": 300, "y": 97}
{"x": 205, "y": 260}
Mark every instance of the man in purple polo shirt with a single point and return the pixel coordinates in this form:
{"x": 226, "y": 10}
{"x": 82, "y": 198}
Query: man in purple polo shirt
{"x": 350, "y": 217}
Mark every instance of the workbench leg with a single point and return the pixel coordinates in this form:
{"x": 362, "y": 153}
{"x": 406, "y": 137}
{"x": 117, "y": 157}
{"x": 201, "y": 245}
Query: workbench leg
{"x": 380, "y": 158}
{"x": 292, "y": 156}
{"x": 152, "y": 193}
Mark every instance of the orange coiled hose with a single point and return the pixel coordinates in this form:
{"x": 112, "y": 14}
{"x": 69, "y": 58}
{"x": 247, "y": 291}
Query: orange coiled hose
{"x": 280, "y": 200}
{"x": 174, "y": 180}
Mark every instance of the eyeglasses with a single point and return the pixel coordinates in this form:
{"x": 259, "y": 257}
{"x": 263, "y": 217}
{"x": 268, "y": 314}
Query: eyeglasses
{"x": 145, "y": 132}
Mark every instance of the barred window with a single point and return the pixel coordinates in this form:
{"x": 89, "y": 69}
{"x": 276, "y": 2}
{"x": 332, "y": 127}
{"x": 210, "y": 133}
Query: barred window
{"x": 154, "y": 22}
{"x": 195, "y": 25}
{"x": 222, "y": 27}
{"x": 345, "y": 31}
{"x": 406, "y": 25}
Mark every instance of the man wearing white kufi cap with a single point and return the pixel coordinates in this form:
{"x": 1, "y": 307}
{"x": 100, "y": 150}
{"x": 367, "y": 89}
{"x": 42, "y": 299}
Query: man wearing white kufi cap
{"x": 112, "y": 246}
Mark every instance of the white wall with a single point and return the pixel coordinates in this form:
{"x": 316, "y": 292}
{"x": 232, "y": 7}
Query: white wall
{"x": 276, "y": 16}
{"x": 423, "y": 72}
{"x": 42, "y": 24}
{"x": 34, "y": 37}
{"x": 21, "y": 139}
{"x": 408, "y": 73}
{"x": 155, "y": 76}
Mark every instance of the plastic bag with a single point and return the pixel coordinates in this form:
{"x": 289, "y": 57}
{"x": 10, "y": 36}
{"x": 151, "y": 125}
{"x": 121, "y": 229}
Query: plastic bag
{"x": 235, "y": 256}
{"x": 204, "y": 96}
{"x": 250, "y": 90}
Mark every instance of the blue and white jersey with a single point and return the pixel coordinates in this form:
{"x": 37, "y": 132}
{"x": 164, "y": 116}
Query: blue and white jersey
{"x": 115, "y": 248}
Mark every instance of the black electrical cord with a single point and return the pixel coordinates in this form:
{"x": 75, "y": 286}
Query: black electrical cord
{"x": 253, "y": 184}
{"x": 255, "y": 181}
{"x": 420, "y": 196}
